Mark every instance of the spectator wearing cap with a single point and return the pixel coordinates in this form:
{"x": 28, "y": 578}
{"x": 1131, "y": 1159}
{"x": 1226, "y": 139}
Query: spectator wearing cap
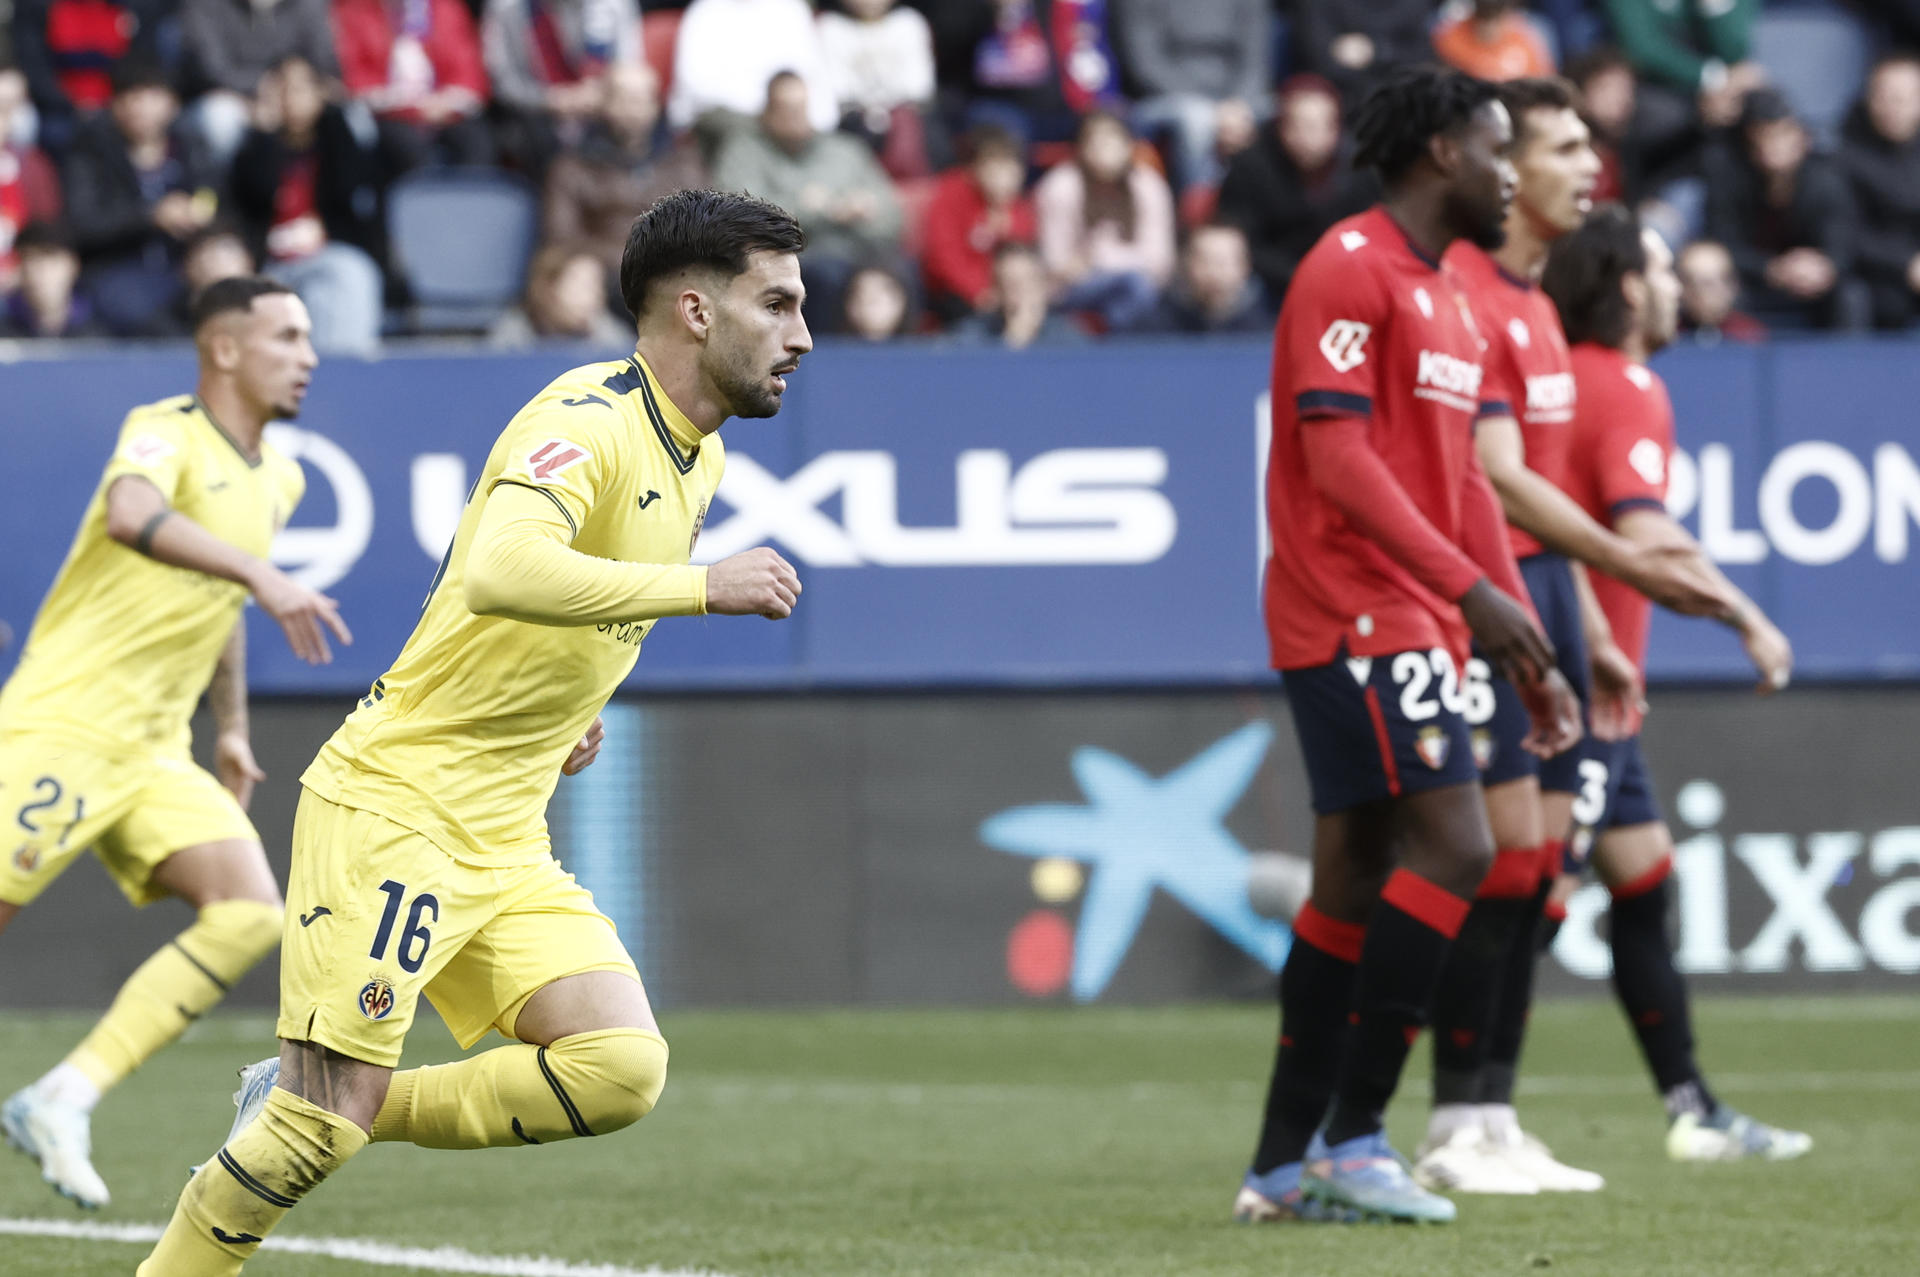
{"x": 308, "y": 191}
{"x": 1710, "y": 296}
{"x": 974, "y": 208}
{"x": 1285, "y": 190}
{"x": 1493, "y": 39}
{"x": 46, "y": 305}
{"x": 727, "y": 52}
{"x": 1106, "y": 224}
{"x": 231, "y": 44}
{"x": 1197, "y": 69}
{"x": 545, "y": 60}
{"x": 29, "y": 187}
{"x": 67, "y": 50}
{"x": 626, "y": 161}
{"x": 1352, "y": 44}
{"x": 1787, "y": 216}
{"x": 137, "y": 187}
{"x": 830, "y": 182}
{"x": 878, "y": 58}
{"x": 1216, "y": 293}
{"x": 1880, "y": 151}
{"x": 566, "y": 301}
{"x": 1020, "y": 312}
{"x": 416, "y": 65}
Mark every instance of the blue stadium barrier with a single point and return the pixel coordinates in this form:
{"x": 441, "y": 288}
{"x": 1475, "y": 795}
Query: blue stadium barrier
{"x": 973, "y": 516}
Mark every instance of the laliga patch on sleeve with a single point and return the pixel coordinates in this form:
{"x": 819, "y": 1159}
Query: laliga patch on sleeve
{"x": 147, "y": 450}
{"x": 555, "y": 457}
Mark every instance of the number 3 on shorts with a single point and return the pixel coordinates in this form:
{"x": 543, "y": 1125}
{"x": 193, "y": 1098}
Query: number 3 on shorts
{"x": 408, "y": 957}
{"x": 1591, "y": 803}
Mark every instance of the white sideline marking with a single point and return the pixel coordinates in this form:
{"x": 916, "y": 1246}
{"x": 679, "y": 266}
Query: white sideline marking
{"x": 438, "y": 1259}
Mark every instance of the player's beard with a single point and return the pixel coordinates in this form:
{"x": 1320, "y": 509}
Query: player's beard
{"x": 745, "y": 386}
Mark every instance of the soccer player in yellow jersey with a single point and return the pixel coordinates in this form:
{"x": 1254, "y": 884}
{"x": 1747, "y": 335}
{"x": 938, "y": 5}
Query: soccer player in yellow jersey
{"x": 143, "y": 617}
{"x": 421, "y": 861}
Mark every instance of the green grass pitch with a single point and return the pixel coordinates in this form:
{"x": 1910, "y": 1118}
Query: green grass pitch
{"x": 1052, "y": 1141}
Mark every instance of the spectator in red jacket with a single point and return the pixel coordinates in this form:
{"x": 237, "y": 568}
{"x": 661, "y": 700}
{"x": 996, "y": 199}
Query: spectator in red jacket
{"x": 29, "y": 188}
{"x": 974, "y": 209}
{"x": 416, "y": 64}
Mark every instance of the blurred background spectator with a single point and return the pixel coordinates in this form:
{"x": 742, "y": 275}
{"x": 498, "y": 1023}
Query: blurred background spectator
{"x": 1106, "y": 222}
{"x": 1352, "y": 43}
{"x": 67, "y": 49}
{"x": 416, "y": 65}
{"x": 1785, "y": 214}
{"x": 566, "y": 300}
{"x": 1285, "y": 190}
{"x": 136, "y": 187}
{"x": 626, "y": 160}
{"x": 1693, "y": 57}
{"x": 1037, "y": 65}
{"x": 230, "y": 44}
{"x": 727, "y": 52}
{"x": 974, "y": 208}
{"x": 831, "y": 182}
{"x": 878, "y": 306}
{"x": 1493, "y": 39}
{"x": 1020, "y": 312}
{"x": 1216, "y": 291}
{"x": 307, "y": 189}
{"x": 46, "y": 305}
{"x": 1198, "y": 71}
{"x": 29, "y": 187}
{"x": 879, "y": 66}
{"x": 545, "y": 59}
{"x": 216, "y": 253}
{"x": 1710, "y": 295}
{"x": 1880, "y": 151}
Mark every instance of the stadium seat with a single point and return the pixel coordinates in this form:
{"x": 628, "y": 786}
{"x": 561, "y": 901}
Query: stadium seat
{"x": 1818, "y": 57}
{"x": 659, "y": 30}
{"x": 461, "y": 237}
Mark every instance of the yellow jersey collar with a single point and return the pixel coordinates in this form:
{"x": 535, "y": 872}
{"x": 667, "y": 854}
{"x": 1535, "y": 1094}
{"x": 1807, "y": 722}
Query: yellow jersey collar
{"x": 663, "y": 411}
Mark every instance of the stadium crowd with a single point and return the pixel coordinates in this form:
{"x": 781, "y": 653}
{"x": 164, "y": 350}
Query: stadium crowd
{"x": 1007, "y": 171}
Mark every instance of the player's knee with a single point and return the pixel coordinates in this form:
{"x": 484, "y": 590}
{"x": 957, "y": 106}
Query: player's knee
{"x": 245, "y": 931}
{"x": 618, "y": 1075}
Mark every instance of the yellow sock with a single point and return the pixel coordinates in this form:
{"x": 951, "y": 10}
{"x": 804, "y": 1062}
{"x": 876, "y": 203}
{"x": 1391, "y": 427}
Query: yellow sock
{"x": 587, "y": 1084}
{"x": 235, "y": 1200}
{"x": 176, "y": 986}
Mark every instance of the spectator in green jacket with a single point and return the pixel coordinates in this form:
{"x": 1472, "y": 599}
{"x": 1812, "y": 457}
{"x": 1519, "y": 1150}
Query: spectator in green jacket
{"x": 1694, "y": 53}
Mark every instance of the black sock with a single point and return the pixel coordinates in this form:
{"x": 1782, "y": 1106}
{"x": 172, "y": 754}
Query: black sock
{"x": 1509, "y": 1029}
{"x": 1654, "y": 996}
{"x": 1468, "y": 1001}
{"x": 1406, "y": 948}
{"x": 1316, "y": 995}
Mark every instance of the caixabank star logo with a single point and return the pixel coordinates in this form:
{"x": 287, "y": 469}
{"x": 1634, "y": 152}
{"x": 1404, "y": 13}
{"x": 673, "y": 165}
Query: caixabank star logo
{"x": 1135, "y": 833}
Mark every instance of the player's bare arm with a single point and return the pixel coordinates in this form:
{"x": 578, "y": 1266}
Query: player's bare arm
{"x": 1619, "y": 696}
{"x": 1664, "y": 572}
{"x": 1766, "y": 646}
{"x": 139, "y": 517}
{"x": 233, "y": 760}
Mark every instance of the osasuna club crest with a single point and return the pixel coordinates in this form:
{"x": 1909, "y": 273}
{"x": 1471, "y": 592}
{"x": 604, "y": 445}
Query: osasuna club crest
{"x": 1432, "y": 745}
{"x": 1482, "y": 748}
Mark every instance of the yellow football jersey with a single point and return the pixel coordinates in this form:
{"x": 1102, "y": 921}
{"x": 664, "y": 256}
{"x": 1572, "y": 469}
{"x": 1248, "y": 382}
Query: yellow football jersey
{"x": 463, "y": 738}
{"x": 123, "y": 646}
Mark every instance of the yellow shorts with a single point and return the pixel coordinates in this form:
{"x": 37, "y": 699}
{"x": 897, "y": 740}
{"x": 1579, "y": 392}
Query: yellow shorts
{"x": 59, "y": 796}
{"x": 378, "y": 915}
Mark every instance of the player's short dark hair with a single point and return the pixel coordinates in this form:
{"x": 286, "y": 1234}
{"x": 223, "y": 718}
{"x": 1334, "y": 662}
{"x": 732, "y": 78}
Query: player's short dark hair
{"x": 226, "y": 296}
{"x": 1536, "y": 93}
{"x": 1409, "y": 109}
{"x": 711, "y": 230}
{"x": 1584, "y": 270}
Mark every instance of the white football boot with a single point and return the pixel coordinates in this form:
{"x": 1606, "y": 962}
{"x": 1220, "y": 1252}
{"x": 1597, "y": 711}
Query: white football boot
{"x": 60, "y": 1138}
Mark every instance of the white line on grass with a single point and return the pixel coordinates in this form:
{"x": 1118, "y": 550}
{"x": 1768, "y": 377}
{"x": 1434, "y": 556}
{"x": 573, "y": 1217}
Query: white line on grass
{"x": 437, "y": 1259}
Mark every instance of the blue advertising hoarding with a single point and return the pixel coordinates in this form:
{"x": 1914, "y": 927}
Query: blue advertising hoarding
{"x": 972, "y": 516}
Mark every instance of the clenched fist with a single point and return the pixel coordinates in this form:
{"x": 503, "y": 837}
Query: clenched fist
{"x": 754, "y": 582}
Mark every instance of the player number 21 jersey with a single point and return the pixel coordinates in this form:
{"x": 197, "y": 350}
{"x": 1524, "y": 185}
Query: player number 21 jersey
{"x": 462, "y": 740}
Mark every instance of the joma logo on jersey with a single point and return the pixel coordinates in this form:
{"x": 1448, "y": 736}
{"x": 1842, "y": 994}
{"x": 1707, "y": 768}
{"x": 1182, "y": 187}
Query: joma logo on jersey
{"x": 1441, "y": 371}
{"x": 1344, "y": 344}
{"x": 555, "y": 456}
{"x": 1550, "y": 392}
